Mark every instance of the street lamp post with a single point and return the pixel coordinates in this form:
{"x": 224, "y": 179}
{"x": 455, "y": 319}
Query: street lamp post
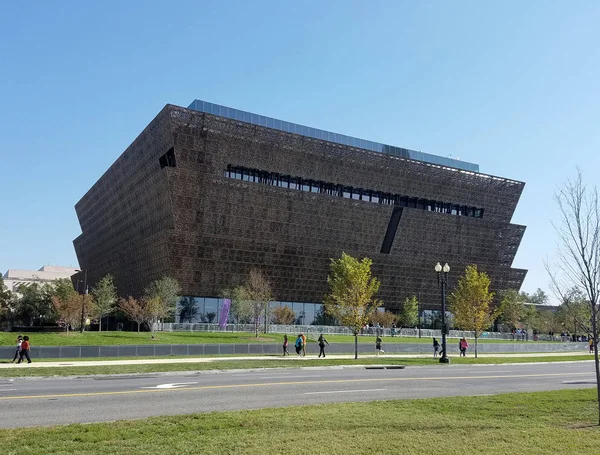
{"x": 85, "y": 291}
{"x": 443, "y": 281}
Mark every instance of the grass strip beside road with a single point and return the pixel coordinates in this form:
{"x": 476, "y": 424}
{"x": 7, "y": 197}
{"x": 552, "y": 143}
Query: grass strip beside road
{"x": 24, "y": 371}
{"x": 142, "y": 338}
{"x": 561, "y": 422}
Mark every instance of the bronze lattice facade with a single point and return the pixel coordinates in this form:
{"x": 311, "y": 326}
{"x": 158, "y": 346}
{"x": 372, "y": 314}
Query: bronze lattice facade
{"x": 204, "y": 198}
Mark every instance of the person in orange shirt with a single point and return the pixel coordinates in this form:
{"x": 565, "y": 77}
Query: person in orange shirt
{"x": 303, "y": 344}
{"x": 25, "y": 346}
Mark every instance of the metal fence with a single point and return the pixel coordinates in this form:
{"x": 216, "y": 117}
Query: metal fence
{"x": 338, "y": 330}
{"x": 368, "y": 346}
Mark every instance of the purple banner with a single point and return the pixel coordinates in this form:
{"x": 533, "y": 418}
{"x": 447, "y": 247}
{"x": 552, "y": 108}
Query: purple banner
{"x": 224, "y": 313}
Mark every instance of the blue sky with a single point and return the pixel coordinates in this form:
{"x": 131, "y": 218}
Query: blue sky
{"x": 513, "y": 86}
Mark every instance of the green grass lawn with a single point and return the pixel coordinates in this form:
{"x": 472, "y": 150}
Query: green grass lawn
{"x": 562, "y": 422}
{"x": 24, "y": 371}
{"x": 121, "y": 338}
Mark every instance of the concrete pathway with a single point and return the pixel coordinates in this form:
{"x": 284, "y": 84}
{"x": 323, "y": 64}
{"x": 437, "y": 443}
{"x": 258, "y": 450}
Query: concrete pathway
{"x": 291, "y": 359}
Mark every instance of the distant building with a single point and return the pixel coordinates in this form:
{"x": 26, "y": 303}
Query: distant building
{"x": 13, "y": 278}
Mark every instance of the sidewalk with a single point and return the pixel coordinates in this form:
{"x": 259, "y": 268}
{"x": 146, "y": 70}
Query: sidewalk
{"x": 88, "y": 363}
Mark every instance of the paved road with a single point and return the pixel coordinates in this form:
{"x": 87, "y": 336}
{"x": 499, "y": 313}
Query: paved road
{"x": 51, "y": 401}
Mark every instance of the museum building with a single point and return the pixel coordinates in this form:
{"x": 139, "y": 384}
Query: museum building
{"x": 206, "y": 193}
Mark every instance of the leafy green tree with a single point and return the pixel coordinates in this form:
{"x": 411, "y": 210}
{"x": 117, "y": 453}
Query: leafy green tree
{"x": 105, "y": 297}
{"x": 408, "y": 316}
{"x": 241, "y": 308}
{"x": 539, "y": 297}
{"x": 167, "y": 291}
{"x": 352, "y": 293}
{"x": 471, "y": 302}
{"x": 34, "y": 305}
{"x": 6, "y": 298}
{"x": 512, "y": 308}
{"x": 573, "y": 313}
{"x": 187, "y": 309}
{"x": 323, "y": 318}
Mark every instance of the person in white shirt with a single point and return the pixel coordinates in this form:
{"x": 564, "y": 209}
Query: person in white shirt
{"x": 18, "y": 351}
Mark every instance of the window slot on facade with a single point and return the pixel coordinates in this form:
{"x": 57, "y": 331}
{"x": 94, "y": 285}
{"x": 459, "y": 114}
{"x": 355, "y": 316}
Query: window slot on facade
{"x": 168, "y": 159}
{"x": 332, "y": 189}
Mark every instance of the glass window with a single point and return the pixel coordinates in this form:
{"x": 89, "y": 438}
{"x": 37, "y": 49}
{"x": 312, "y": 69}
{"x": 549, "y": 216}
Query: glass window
{"x": 211, "y": 306}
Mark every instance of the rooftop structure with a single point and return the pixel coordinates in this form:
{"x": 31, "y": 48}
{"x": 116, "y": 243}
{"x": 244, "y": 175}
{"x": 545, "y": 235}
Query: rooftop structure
{"x": 315, "y": 133}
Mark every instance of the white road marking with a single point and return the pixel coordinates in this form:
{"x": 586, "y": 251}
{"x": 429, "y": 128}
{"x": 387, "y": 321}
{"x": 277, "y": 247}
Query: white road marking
{"x": 285, "y": 376}
{"x": 175, "y": 385}
{"x": 491, "y": 371}
{"x": 6, "y": 390}
{"x": 344, "y": 391}
{"x": 581, "y": 381}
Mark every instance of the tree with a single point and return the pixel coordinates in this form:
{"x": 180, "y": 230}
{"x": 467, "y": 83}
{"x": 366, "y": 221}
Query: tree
{"x": 578, "y": 256}
{"x": 166, "y": 290}
{"x": 240, "y": 307}
{"x": 539, "y": 297}
{"x": 383, "y": 318}
{"x": 133, "y": 310}
{"x": 187, "y": 309}
{"x": 153, "y": 310}
{"x": 6, "y": 299}
{"x": 573, "y": 313}
{"x": 68, "y": 309}
{"x": 257, "y": 293}
{"x": 471, "y": 302}
{"x": 210, "y": 316}
{"x": 105, "y": 296}
{"x": 352, "y": 289}
{"x": 512, "y": 308}
{"x": 408, "y": 316}
{"x": 283, "y": 315}
{"x": 34, "y": 305}
{"x": 323, "y": 318}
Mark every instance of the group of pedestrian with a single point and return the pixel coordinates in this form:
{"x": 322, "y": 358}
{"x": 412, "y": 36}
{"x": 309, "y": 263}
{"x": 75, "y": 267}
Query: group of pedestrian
{"x": 462, "y": 347}
{"x": 300, "y": 345}
{"x": 22, "y": 349}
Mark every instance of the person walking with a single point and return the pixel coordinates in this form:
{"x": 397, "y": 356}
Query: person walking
{"x": 436, "y": 347}
{"x": 285, "y": 345}
{"x": 303, "y": 344}
{"x": 25, "y": 347}
{"x": 591, "y": 343}
{"x": 298, "y": 345}
{"x": 462, "y": 346}
{"x": 322, "y": 342}
{"x": 18, "y": 350}
{"x": 378, "y": 345}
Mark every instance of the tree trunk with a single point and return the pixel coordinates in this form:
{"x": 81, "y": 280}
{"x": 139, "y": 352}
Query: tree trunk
{"x": 355, "y": 346}
{"x": 100, "y": 325}
{"x": 596, "y": 362}
{"x": 138, "y": 327}
{"x": 256, "y": 327}
{"x": 476, "y": 344}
